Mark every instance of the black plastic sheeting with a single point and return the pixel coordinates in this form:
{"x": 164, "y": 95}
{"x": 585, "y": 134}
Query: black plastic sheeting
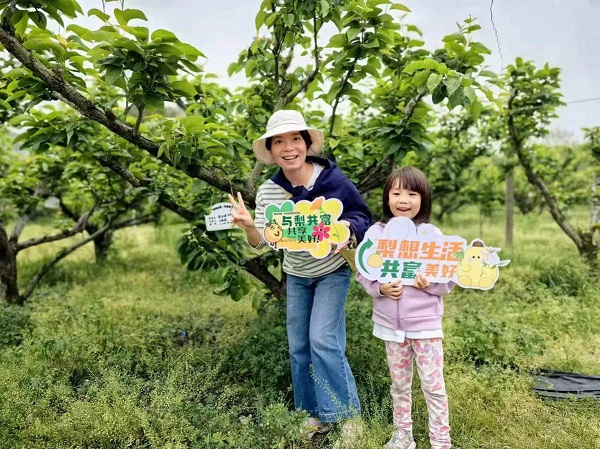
{"x": 560, "y": 385}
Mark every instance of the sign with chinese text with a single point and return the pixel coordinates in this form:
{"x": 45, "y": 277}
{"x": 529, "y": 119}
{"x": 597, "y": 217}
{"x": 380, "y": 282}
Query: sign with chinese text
{"x": 401, "y": 251}
{"x": 219, "y": 218}
{"x": 305, "y": 226}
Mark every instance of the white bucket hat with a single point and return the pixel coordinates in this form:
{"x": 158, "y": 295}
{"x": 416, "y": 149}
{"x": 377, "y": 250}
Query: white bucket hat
{"x": 282, "y": 122}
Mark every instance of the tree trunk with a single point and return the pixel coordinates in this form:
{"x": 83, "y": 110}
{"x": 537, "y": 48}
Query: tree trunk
{"x": 260, "y": 271}
{"x": 102, "y": 244}
{"x": 9, "y": 289}
{"x": 509, "y": 204}
{"x": 589, "y": 251}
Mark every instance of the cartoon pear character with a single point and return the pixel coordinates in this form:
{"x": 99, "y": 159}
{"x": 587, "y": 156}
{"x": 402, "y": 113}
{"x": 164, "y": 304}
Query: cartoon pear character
{"x": 475, "y": 268}
{"x": 273, "y": 233}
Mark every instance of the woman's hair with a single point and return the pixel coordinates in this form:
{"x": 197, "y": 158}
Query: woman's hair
{"x": 304, "y": 133}
{"x": 409, "y": 178}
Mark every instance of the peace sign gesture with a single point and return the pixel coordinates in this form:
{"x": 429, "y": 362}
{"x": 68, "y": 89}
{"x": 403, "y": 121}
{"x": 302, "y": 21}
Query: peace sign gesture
{"x": 240, "y": 215}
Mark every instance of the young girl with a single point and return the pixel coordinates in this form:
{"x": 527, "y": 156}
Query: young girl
{"x": 408, "y": 319}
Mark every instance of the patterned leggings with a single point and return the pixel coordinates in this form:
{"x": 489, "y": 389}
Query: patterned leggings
{"x": 430, "y": 364}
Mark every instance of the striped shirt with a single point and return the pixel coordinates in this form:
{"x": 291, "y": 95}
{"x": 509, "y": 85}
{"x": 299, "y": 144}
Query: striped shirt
{"x": 297, "y": 263}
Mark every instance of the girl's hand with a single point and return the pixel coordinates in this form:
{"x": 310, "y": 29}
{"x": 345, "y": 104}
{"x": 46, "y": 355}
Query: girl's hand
{"x": 239, "y": 214}
{"x": 392, "y": 290}
{"x": 421, "y": 282}
{"x": 338, "y": 248}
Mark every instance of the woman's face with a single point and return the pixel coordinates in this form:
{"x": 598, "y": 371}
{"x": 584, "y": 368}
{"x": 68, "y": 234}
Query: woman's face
{"x": 289, "y": 150}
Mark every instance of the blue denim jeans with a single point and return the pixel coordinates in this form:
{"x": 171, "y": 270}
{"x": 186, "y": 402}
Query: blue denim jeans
{"x": 316, "y": 328}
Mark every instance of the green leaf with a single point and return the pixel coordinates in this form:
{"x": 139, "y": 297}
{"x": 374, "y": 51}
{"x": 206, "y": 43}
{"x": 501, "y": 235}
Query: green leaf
{"x": 251, "y": 66}
{"x": 112, "y": 74}
{"x": 124, "y": 16}
{"x": 193, "y": 124}
{"x": 260, "y": 19}
{"x": 372, "y": 43}
{"x": 16, "y": 73}
{"x": 237, "y": 294}
{"x": 476, "y": 109}
{"x": 337, "y": 125}
{"x": 473, "y": 28}
{"x": 21, "y": 119}
{"x": 456, "y": 99}
{"x": 338, "y": 40}
{"x": 189, "y": 50}
{"x": 140, "y": 33}
{"x": 414, "y": 66}
{"x": 370, "y": 70}
{"x": 352, "y": 33}
{"x": 487, "y": 74}
{"x": 53, "y": 12}
{"x": 96, "y": 12}
{"x": 271, "y": 19}
{"x": 66, "y": 6}
{"x": 420, "y": 78}
{"x": 78, "y": 30}
{"x": 21, "y": 24}
{"x": 470, "y": 93}
{"x": 455, "y": 38}
{"x": 39, "y": 18}
{"x": 400, "y": 7}
{"x": 45, "y": 45}
{"x": 288, "y": 19}
{"x": 433, "y": 81}
{"x": 164, "y": 36}
{"x": 154, "y": 101}
{"x": 184, "y": 87}
{"x": 437, "y": 96}
{"x": 452, "y": 83}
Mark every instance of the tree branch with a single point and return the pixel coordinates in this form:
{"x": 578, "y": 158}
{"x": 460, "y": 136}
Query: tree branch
{"x": 144, "y": 219}
{"x": 375, "y": 175}
{"x": 537, "y": 181}
{"x": 310, "y": 78}
{"x": 164, "y": 199}
{"x": 79, "y": 227}
{"x": 39, "y": 192}
{"x": 339, "y": 95}
{"x": 89, "y": 109}
{"x": 18, "y": 228}
{"x": 254, "y": 177}
{"x": 61, "y": 255}
{"x": 259, "y": 270}
{"x": 138, "y": 121}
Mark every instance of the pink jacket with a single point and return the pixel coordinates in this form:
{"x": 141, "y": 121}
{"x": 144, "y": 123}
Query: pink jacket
{"x": 416, "y": 310}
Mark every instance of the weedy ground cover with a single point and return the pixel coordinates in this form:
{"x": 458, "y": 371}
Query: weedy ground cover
{"x": 137, "y": 352}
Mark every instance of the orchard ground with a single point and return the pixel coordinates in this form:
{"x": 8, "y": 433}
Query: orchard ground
{"x": 138, "y": 353}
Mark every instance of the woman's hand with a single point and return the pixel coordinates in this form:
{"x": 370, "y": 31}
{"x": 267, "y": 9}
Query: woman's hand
{"x": 421, "y": 282}
{"x": 392, "y": 290}
{"x": 337, "y": 247}
{"x": 239, "y": 214}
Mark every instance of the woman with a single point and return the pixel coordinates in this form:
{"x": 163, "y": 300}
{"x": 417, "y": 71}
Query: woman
{"x": 316, "y": 288}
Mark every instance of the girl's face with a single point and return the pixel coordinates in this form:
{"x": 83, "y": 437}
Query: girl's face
{"x": 404, "y": 203}
{"x": 289, "y": 150}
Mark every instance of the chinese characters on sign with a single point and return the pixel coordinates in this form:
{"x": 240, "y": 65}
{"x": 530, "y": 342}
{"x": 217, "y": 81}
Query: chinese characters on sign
{"x": 305, "y": 226}
{"x": 219, "y": 218}
{"x": 400, "y": 251}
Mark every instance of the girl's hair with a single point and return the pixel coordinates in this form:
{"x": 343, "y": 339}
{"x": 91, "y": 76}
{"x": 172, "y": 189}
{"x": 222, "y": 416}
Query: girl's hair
{"x": 409, "y": 178}
{"x": 304, "y": 133}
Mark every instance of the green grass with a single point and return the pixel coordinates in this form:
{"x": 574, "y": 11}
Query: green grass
{"x": 137, "y": 352}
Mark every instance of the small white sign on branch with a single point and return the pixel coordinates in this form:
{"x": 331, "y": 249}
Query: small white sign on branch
{"x": 219, "y": 218}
